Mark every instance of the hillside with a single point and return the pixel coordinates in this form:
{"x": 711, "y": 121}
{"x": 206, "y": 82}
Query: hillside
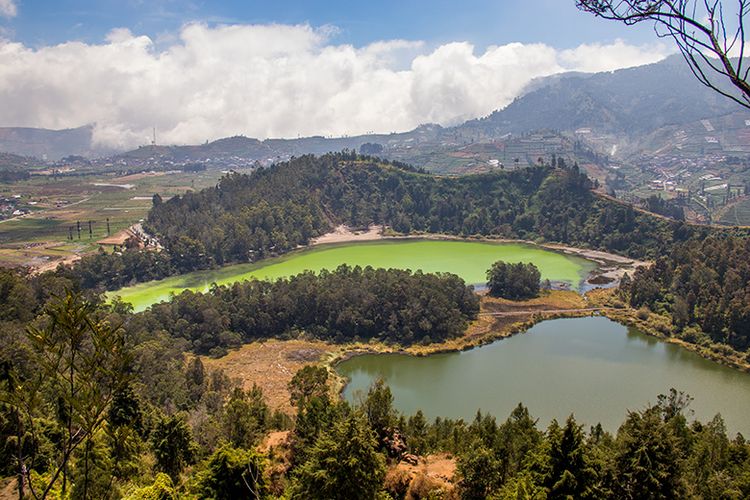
{"x": 629, "y": 101}
{"x": 274, "y": 210}
{"x": 47, "y": 144}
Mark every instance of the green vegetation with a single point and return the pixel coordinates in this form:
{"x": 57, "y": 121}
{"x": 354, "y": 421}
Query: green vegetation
{"x": 513, "y": 281}
{"x": 704, "y": 286}
{"x": 112, "y": 436}
{"x": 737, "y": 214}
{"x": 60, "y": 202}
{"x": 349, "y": 303}
{"x": 467, "y": 259}
{"x": 274, "y": 210}
{"x": 556, "y": 367}
{"x": 99, "y": 402}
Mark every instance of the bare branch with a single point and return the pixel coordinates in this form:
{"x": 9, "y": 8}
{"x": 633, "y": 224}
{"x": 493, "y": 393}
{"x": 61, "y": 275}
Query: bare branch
{"x": 700, "y": 30}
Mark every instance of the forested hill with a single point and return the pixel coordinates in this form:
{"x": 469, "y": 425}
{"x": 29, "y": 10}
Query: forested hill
{"x": 246, "y": 217}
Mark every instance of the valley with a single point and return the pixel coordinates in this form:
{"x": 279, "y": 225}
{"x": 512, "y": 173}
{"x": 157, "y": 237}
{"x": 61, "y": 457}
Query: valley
{"x": 376, "y": 251}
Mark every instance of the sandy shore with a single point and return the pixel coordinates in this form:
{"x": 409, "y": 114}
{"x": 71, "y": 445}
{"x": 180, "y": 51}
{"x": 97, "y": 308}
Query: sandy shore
{"x": 343, "y": 234}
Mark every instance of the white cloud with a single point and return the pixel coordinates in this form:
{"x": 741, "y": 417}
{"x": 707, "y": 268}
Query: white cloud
{"x": 8, "y": 8}
{"x": 272, "y": 81}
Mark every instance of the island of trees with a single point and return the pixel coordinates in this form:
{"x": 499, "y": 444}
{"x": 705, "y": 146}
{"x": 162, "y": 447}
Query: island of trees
{"x": 513, "y": 281}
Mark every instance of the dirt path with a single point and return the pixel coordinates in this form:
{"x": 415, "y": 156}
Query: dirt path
{"x": 527, "y": 312}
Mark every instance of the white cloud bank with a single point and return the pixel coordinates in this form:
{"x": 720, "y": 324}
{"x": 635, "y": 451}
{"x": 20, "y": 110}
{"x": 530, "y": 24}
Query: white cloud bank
{"x": 272, "y": 81}
{"x": 8, "y": 8}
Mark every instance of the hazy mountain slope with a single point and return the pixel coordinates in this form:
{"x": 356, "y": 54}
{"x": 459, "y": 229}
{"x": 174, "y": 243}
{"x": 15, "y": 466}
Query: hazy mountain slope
{"x": 44, "y": 143}
{"x": 630, "y": 101}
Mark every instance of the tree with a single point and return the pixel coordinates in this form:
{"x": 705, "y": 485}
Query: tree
{"x": 513, "y": 281}
{"x": 710, "y": 37}
{"x": 233, "y": 473}
{"x": 309, "y": 381}
{"x": 569, "y": 474}
{"x": 81, "y": 363}
{"x": 378, "y": 408}
{"x": 343, "y": 464}
{"x": 245, "y": 417}
{"x": 480, "y": 473}
{"x": 648, "y": 462}
{"x": 173, "y": 445}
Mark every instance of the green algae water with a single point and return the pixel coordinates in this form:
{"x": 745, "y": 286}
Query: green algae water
{"x": 592, "y": 367}
{"x": 468, "y": 259}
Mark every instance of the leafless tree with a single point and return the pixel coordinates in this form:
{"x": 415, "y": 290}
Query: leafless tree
{"x": 710, "y": 37}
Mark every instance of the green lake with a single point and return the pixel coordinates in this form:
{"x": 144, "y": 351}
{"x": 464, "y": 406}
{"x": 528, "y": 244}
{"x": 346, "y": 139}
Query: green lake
{"x": 592, "y": 367}
{"x": 468, "y": 259}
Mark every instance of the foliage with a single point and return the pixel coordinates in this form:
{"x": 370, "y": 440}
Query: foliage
{"x": 173, "y": 445}
{"x": 162, "y": 489}
{"x": 233, "y": 473}
{"x": 80, "y": 363}
{"x": 309, "y": 382}
{"x": 705, "y": 283}
{"x": 342, "y": 464}
{"x": 513, "y": 281}
{"x": 346, "y": 304}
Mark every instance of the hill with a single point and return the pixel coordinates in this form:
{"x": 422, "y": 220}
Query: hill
{"x": 628, "y": 104}
{"x": 273, "y": 210}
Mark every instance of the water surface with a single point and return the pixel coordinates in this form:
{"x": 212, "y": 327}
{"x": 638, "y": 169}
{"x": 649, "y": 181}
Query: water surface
{"x": 468, "y": 259}
{"x": 593, "y": 367}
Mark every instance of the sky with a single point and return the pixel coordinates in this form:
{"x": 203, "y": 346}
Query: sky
{"x": 200, "y": 70}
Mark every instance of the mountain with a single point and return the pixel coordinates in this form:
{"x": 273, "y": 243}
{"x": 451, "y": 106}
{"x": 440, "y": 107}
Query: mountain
{"x": 626, "y": 105}
{"x": 47, "y": 144}
{"x": 629, "y": 101}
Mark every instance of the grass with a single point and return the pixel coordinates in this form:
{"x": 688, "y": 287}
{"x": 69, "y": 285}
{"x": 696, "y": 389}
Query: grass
{"x": 468, "y": 259}
{"x": 271, "y": 365}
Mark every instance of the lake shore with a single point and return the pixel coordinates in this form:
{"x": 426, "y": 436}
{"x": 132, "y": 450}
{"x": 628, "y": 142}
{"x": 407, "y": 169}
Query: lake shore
{"x": 661, "y": 327}
{"x": 611, "y": 267}
{"x": 271, "y": 363}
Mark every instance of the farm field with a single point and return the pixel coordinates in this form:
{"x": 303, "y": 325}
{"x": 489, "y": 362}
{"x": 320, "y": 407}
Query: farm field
{"x": 42, "y": 237}
{"x": 737, "y": 214}
{"x": 468, "y": 259}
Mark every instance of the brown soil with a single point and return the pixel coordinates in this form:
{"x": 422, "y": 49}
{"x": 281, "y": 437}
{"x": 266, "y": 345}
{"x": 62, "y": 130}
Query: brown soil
{"x": 271, "y": 365}
{"x": 432, "y": 473}
{"x": 274, "y": 439}
{"x": 343, "y": 234}
{"x": 8, "y": 489}
{"x": 135, "y": 177}
{"x": 117, "y": 238}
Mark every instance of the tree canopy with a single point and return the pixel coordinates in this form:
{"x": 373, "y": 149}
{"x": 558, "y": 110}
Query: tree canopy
{"x": 513, "y": 281}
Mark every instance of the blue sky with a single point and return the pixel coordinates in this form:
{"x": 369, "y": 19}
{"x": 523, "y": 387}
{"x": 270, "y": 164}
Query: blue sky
{"x": 482, "y": 22}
